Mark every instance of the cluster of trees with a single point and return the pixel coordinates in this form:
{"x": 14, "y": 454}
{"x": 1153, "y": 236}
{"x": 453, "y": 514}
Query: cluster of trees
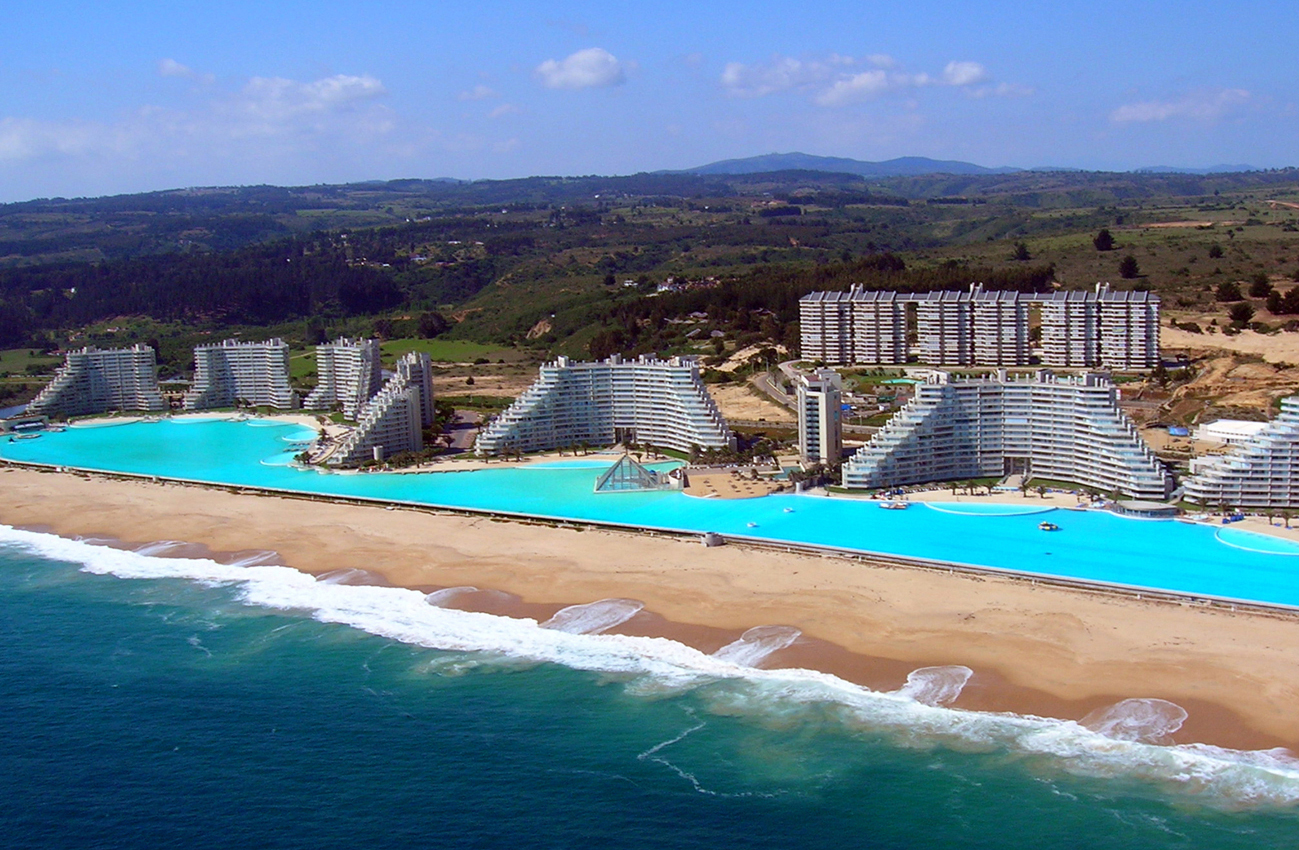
{"x": 765, "y": 301}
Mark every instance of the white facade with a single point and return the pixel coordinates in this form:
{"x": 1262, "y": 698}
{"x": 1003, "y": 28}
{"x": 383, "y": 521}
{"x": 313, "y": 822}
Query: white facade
{"x": 348, "y": 374}
{"x": 394, "y": 421}
{"x": 857, "y": 326}
{"x": 945, "y": 328}
{"x": 1230, "y": 431}
{"x": 820, "y": 417}
{"x": 96, "y": 381}
{"x": 232, "y": 372}
{"x": 1262, "y": 472}
{"x": 1000, "y": 328}
{"x": 1082, "y": 329}
{"x": 661, "y": 403}
{"x": 1041, "y": 425}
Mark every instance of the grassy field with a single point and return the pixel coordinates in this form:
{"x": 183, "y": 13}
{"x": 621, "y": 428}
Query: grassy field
{"x": 16, "y": 360}
{"x": 449, "y": 351}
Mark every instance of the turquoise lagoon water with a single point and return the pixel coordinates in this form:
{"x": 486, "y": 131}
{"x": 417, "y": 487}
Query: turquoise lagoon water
{"x": 187, "y": 702}
{"x": 1092, "y": 546}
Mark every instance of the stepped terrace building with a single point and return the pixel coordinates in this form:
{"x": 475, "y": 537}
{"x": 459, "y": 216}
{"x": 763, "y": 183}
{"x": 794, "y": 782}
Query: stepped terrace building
{"x": 96, "y": 381}
{"x": 1040, "y": 425}
{"x": 820, "y": 417}
{"x": 1262, "y": 471}
{"x": 232, "y": 372}
{"x": 394, "y": 421}
{"x": 1083, "y": 329}
{"x": 661, "y": 403}
{"x": 348, "y": 374}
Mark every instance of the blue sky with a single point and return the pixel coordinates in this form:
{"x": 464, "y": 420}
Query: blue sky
{"x": 99, "y": 98}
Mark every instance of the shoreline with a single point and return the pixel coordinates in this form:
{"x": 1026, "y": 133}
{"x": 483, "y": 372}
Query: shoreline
{"x": 1035, "y": 649}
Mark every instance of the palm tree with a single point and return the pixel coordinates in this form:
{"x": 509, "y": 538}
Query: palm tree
{"x": 1041, "y": 491}
{"x": 1285, "y": 515}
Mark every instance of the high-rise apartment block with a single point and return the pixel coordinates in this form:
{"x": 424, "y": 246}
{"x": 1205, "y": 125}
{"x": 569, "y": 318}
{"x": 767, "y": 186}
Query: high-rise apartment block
{"x": 656, "y": 402}
{"x": 1261, "y": 471}
{"x": 232, "y": 372}
{"x": 1042, "y": 425}
{"x": 348, "y": 374}
{"x": 393, "y": 422}
{"x": 820, "y": 417}
{"x": 96, "y": 381}
{"x": 1083, "y": 329}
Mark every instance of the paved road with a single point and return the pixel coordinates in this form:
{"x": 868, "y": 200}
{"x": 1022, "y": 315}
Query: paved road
{"x": 463, "y": 430}
{"x": 772, "y": 389}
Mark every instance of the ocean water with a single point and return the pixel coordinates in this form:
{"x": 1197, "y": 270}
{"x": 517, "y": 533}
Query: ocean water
{"x": 1091, "y": 545}
{"x": 167, "y": 702}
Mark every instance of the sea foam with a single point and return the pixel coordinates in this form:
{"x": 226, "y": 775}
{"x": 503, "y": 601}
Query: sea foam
{"x": 1213, "y": 775}
{"x": 593, "y": 618}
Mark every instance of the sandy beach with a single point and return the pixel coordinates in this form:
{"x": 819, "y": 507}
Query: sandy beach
{"x": 1034, "y": 649}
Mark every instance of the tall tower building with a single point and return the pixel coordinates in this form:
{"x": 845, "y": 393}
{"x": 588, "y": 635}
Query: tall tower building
{"x": 348, "y": 374}
{"x": 820, "y": 417}
{"x": 96, "y": 381}
{"x": 232, "y": 372}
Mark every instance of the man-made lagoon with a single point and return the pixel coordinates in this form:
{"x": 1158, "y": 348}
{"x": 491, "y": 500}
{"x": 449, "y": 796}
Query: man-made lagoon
{"x": 1093, "y": 546}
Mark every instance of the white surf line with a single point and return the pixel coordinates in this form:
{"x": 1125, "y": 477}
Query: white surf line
{"x": 1214, "y": 775}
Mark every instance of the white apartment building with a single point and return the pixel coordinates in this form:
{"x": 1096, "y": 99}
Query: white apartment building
{"x": 1261, "y": 472}
{"x": 232, "y": 372}
{"x": 1082, "y": 329}
{"x": 96, "y": 381}
{"x": 348, "y": 374}
{"x": 661, "y": 403}
{"x": 1000, "y": 328}
{"x": 1041, "y": 425}
{"x": 1071, "y": 336}
{"x": 945, "y": 328}
{"x": 856, "y": 326}
{"x": 392, "y": 422}
{"x": 1129, "y": 329}
{"x": 820, "y": 417}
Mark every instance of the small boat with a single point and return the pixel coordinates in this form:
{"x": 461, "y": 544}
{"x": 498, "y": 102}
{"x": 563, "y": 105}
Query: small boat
{"x": 1048, "y": 526}
{"x": 789, "y": 510}
{"x": 751, "y": 524}
{"x": 890, "y": 505}
{"x": 27, "y": 436}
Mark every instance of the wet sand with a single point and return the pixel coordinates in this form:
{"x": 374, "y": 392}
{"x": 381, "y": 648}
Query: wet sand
{"x": 1034, "y": 649}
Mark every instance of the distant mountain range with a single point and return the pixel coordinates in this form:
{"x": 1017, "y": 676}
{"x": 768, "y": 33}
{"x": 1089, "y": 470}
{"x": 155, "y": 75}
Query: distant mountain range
{"x": 1212, "y": 169}
{"x": 905, "y": 166}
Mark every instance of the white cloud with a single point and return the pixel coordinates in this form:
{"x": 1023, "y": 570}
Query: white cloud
{"x": 1207, "y": 105}
{"x": 503, "y": 110}
{"x": 278, "y": 98}
{"x": 840, "y": 80}
{"x": 593, "y": 67}
{"x": 964, "y": 73}
{"x": 782, "y": 73}
{"x": 172, "y": 68}
{"x": 332, "y": 110}
{"x": 478, "y": 92}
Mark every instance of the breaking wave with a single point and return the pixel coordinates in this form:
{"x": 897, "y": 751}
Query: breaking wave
{"x": 757, "y": 644}
{"x": 446, "y": 595}
{"x": 1113, "y": 743}
{"x": 1148, "y": 720}
{"x": 594, "y": 618}
{"x": 936, "y": 685}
